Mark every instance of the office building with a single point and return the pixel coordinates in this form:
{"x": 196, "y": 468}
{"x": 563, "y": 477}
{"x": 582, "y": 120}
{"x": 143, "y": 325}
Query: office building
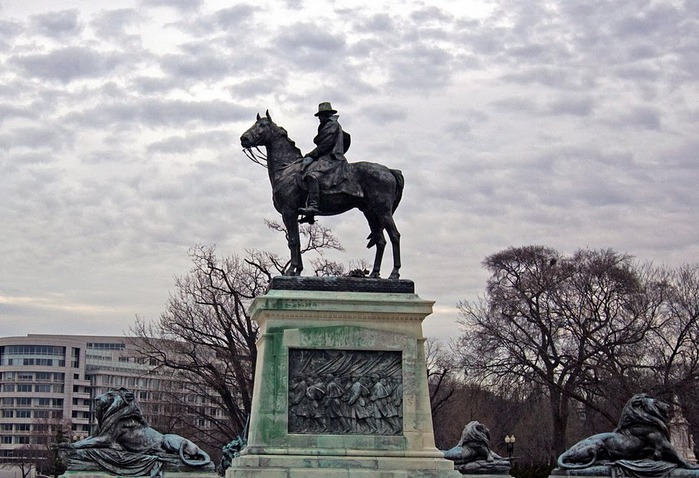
{"x": 48, "y": 382}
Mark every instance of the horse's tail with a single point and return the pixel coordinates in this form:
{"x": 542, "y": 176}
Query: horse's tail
{"x": 400, "y": 183}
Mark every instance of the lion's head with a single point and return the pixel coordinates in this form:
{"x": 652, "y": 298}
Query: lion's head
{"x": 643, "y": 409}
{"x": 475, "y": 433}
{"x": 115, "y": 406}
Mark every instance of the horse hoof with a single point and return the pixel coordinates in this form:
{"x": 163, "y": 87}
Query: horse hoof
{"x": 394, "y": 276}
{"x": 374, "y": 275}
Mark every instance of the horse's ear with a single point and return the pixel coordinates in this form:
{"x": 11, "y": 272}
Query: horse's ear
{"x": 258, "y": 117}
{"x": 268, "y": 116}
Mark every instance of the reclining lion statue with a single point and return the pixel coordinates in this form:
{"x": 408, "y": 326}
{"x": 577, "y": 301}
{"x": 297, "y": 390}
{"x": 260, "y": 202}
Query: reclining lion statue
{"x": 125, "y": 444}
{"x": 473, "y": 453}
{"x": 642, "y": 434}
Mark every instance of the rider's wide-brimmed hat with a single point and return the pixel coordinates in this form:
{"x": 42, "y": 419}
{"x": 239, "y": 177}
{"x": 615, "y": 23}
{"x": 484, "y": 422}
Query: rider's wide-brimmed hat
{"x": 325, "y": 107}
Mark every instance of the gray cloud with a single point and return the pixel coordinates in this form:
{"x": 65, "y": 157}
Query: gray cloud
{"x": 67, "y": 64}
{"x": 159, "y": 112}
{"x": 641, "y": 117}
{"x": 185, "y": 6}
{"x": 58, "y": 25}
{"x": 564, "y": 123}
{"x": 310, "y": 48}
{"x": 116, "y": 25}
{"x": 35, "y": 138}
{"x": 199, "y": 62}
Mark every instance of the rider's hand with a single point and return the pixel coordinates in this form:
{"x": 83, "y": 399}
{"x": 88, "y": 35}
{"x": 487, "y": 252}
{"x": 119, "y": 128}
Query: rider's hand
{"x": 307, "y": 160}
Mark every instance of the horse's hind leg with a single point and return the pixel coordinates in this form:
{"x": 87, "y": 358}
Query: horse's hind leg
{"x": 394, "y": 236}
{"x": 380, "y": 247}
{"x": 376, "y": 238}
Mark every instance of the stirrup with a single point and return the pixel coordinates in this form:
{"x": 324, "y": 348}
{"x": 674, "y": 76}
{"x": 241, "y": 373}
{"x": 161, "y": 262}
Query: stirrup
{"x": 308, "y": 218}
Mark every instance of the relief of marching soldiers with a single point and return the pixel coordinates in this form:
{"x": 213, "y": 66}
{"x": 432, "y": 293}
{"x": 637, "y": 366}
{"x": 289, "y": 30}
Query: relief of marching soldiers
{"x": 329, "y": 403}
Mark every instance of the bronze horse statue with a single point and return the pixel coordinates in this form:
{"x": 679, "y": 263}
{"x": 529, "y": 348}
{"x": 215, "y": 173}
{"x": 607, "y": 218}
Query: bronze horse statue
{"x": 382, "y": 190}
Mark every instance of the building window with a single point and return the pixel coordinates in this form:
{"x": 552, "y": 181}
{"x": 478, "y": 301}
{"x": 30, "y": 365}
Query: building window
{"x": 75, "y": 357}
{"x": 24, "y": 413}
{"x": 24, "y": 402}
{"x": 106, "y": 346}
{"x": 42, "y": 388}
{"x": 34, "y": 350}
{"x": 7, "y": 387}
{"x": 8, "y": 413}
{"x": 24, "y": 387}
{"x": 22, "y": 440}
{"x": 6, "y": 440}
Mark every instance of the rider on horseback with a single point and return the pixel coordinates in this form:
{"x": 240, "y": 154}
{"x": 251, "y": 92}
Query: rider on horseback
{"x": 326, "y": 166}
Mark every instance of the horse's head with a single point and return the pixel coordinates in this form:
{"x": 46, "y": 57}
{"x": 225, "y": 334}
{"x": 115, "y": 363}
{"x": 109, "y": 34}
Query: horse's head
{"x": 261, "y": 133}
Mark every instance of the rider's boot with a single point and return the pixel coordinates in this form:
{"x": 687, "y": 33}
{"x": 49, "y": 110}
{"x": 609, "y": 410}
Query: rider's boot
{"x": 311, "y": 208}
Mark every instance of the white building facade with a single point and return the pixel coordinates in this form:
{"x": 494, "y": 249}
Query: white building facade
{"x": 49, "y": 382}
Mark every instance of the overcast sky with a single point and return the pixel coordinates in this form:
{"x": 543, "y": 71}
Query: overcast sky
{"x": 565, "y": 123}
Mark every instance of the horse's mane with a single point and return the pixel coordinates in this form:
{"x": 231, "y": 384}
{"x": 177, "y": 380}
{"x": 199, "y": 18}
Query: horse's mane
{"x": 291, "y": 141}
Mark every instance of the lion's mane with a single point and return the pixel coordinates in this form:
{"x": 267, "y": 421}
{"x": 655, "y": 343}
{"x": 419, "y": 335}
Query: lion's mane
{"x": 644, "y": 410}
{"x": 475, "y": 435}
{"x": 117, "y": 406}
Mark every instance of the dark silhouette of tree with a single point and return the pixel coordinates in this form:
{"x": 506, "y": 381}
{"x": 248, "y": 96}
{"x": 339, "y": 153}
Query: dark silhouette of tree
{"x": 551, "y": 322}
{"x": 207, "y": 339}
{"x": 442, "y": 379}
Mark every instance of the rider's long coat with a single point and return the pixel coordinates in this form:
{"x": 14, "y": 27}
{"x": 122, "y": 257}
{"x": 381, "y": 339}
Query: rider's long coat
{"x": 330, "y": 166}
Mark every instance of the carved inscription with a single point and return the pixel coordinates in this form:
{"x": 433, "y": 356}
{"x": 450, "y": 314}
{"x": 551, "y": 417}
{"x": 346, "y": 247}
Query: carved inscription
{"x": 345, "y": 392}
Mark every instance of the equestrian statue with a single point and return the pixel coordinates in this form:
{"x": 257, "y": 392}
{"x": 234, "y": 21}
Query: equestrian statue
{"x": 323, "y": 183}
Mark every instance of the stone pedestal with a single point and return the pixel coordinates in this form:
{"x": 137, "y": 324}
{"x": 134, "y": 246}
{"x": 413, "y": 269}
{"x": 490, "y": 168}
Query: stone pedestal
{"x": 168, "y": 474}
{"x": 341, "y": 383}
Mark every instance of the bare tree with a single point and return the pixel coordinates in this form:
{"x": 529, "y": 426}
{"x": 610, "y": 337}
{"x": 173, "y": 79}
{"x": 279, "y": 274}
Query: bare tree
{"x": 549, "y": 321}
{"x": 673, "y": 346}
{"x": 24, "y": 459}
{"x": 207, "y": 339}
{"x": 442, "y": 368}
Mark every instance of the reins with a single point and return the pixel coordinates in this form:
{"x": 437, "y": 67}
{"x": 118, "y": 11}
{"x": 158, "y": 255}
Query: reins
{"x": 257, "y": 158}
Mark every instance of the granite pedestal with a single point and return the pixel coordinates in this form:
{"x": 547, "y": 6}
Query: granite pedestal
{"x": 341, "y": 383}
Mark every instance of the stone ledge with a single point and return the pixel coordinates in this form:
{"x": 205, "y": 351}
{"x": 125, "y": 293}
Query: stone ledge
{"x": 266, "y": 466}
{"x": 342, "y": 284}
{"x": 605, "y": 471}
{"x": 168, "y": 474}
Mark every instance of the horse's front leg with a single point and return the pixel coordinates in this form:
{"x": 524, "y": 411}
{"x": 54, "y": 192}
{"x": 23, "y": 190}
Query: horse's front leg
{"x": 292, "y": 236}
